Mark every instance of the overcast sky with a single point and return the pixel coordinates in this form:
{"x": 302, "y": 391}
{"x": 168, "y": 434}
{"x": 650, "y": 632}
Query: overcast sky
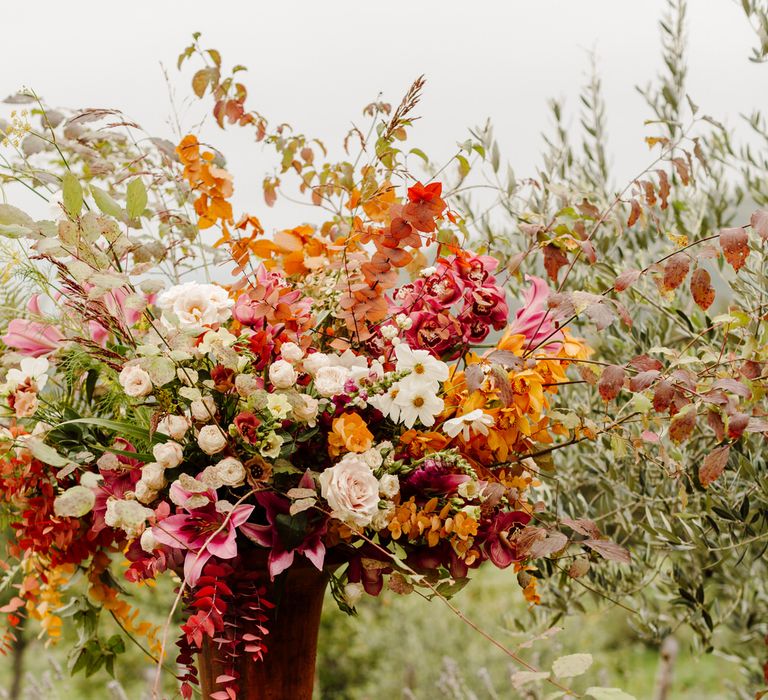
{"x": 316, "y": 64}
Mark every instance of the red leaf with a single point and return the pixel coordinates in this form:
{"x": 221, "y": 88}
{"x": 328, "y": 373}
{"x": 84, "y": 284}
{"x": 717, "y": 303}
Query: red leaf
{"x": 715, "y": 421}
{"x": 582, "y": 525}
{"x": 737, "y": 424}
{"x": 714, "y": 464}
{"x": 644, "y": 363}
{"x": 634, "y": 215}
{"x": 611, "y": 382}
{"x": 701, "y": 288}
{"x": 554, "y": 259}
{"x": 682, "y": 424}
{"x": 675, "y": 271}
{"x": 609, "y": 550}
{"x": 759, "y": 222}
{"x": 733, "y": 386}
{"x": 735, "y": 245}
{"x": 663, "y": 396}
{"x": 641, "y": 381}
{"x": 626, "y": 279}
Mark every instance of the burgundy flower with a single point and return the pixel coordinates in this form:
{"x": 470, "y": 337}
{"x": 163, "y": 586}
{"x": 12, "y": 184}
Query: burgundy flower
{"x": 436, "y": 332}
{"x": 487, "y": 304}
{"x": 497, "y": 545}
{"x": 433, "y": 478}
{"x": 222, "y": 378}
{"x": 444, "y": 287}
{"x": 247, "y": 425}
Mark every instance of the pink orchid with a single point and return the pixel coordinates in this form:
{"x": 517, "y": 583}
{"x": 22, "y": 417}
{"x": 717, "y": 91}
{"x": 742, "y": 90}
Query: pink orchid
{"x": 533, "y": 319}
{"x": 281, "y": 555}
{"x": 192, "y": 531}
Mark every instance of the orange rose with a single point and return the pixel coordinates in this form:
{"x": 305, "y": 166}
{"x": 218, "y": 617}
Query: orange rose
{"x": 350, "y": 433}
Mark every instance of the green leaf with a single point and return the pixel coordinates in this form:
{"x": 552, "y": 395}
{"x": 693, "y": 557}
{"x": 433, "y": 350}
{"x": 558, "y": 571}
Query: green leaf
{"x": 10, "y": 216}
{"x": 608, "y": 694}
{"x": 121, "y": 427}
{"x": 104, "y": 202}
{"x": 136, "y": 198}
{"x": 571, "y": 665}
{"x": 72, "y": 195}
{"x": 46, "y": 453}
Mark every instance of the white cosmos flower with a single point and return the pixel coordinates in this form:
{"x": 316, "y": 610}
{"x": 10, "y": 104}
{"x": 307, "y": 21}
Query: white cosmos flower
{"x": 34, "y": 368}
{"x": 473, "y": 422}
{"x": 417, "y": 401}
{"x": 386, "y": 403}
{"x": 422, "y": 365}
{"x": 193, "y": 307}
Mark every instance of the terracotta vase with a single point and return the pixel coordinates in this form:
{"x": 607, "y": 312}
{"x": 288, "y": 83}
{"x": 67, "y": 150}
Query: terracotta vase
{"x": 288, "y": 669}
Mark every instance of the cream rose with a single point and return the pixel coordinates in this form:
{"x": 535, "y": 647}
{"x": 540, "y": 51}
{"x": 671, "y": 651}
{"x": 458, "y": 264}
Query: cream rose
{"x": 169, "y": 454}
{"x": 282, "y": 374}
{"x": 352, "y": 491}
{"x": 230, "y": 472}
{"x": 174, "y": 426}
{"x": 389, "y": 486}
{"x": 305, "y": 410}
{"x": 312, "y": 363}
{"x": 135, "y": 381}
{"x": 148, "y": 541}
{"x": 144, "y": 492}
{"x": 211, "y": 439}
{"x": 246, "y": 384}
{"x": 203, "y": 409}
{"x": 108, "y": 462}
{"x": 291, "y": 352}
{"x": 193, "y": 307}
{"x": 153, "y": 475}
{"x": 330, "y": 380}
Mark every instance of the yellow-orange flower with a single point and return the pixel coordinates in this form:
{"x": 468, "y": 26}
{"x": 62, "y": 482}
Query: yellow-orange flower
{"x": 349, "y": 434}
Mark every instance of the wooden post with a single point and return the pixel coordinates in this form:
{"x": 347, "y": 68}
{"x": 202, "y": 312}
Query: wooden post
{"x": 665, "y": 674}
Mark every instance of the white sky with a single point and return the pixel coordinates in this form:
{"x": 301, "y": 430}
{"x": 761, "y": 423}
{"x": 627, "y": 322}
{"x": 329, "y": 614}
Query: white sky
{"x": 316, "y": 64}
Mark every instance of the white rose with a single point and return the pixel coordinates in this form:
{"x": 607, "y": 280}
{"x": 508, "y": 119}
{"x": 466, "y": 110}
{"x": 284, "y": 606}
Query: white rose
{"x": 282, "y": 374}
{"x": 312, "y": 363}
{"x": 211, "y": 439}
{"x": 230, "y": 472}
{"x": 148, "y": 541}
{"x": 305, "y": 410}
{"x": 174, "y": 426}
{"x": 373, "y": 458}
{"x": 352, "y": 491}
{"x": 330, "y": 380}
{"x": 144, "y": 492}
{"x": 75, "y": 502}
{"x": 135, "y": 381}
{"x": 130, "y": 516}
{"x": 246, "y": 384}
{"x": 153, "y": 475}
{"x": 291, "y": 352}
{"x": 169, "y": 454}
{"x": 389, "y": 486}
{"x": 382, "y": 518}
{"x": 193, "y": 306}
{"x": 203, "y": 409}
{"x": 108, "y": 462}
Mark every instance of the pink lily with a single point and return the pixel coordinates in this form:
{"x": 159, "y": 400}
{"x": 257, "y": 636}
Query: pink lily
{"x": 192, "y": 531}
{"x": 533, "y": 319}
{"x": 33, "y": 338}
{"x": 280, "y": 556}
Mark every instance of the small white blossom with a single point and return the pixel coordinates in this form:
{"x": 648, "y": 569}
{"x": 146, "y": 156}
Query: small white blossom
{"x": 476, "y": 421}
{"x": 389, "y": 486}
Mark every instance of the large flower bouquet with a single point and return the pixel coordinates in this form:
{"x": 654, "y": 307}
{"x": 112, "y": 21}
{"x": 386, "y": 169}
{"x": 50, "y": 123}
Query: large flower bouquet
{"x": 365, "y": 397}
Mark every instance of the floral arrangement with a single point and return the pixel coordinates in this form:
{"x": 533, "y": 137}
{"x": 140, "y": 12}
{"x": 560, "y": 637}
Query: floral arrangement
{"x": 326, "y": 406}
